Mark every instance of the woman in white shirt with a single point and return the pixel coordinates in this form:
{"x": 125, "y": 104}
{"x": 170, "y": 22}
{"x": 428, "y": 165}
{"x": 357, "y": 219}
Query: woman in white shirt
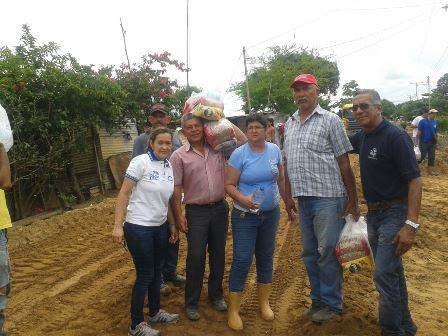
{"x": 140, "y": 217}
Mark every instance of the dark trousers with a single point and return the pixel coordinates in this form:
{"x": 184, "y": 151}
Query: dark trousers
{"x": 428, "y": 149}
{"x": 147, "y": 245}
{"x": 207, "y": 228}
{"x": 169, "y": 264}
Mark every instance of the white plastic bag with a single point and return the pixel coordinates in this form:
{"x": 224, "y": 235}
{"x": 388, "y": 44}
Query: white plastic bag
{"x": 5, "y": 130}
{"x": 206, "y": 104}
{"x": 418, "y": 154}
{"x": 220, "y": 135}
{"x": 353, "y": 248}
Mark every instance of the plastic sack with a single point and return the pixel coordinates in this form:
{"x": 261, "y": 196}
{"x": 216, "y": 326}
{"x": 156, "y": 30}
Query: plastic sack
{"x": 418, "y": 154}
{"x": 220, "y": 135}
{"x": 5, "y": 130}
{"x": 206, "y": 105}
{"x": 353, "y": 249}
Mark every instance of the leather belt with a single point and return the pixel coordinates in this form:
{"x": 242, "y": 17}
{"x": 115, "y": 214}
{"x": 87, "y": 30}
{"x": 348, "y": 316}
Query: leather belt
{"x": 385, "y": 205}
{"x": 208, "y": 205}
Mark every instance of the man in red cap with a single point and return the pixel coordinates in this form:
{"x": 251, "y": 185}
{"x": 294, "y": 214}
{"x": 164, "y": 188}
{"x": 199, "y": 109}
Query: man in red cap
{"x": 319, "y": 176}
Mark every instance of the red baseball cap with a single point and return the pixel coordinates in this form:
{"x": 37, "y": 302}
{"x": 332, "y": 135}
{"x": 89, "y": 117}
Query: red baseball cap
{"x": 304, "y": 78}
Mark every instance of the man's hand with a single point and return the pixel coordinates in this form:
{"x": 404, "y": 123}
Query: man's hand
{"x": 291, "y": 208}
{"x": 404, "y": 240}
{"x": 182, "y": 224}
{"x": 353, "y": 209}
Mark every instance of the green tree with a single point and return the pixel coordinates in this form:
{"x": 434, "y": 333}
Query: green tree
{"x": 389, "y": 108}
{"x": 269, "y": 82}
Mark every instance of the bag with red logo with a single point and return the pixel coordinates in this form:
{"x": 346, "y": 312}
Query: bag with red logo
{"x": 353, "y": 249}
{"x": 220, "y": 135}
{"x": 205, "y": 104}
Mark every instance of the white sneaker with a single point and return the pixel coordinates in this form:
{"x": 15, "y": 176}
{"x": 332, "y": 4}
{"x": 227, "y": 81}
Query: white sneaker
{"x": 164, "y": 317}
{"x": 143, "y": 329}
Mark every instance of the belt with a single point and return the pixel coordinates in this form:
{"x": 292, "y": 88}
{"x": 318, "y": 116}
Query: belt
{"x": 385, "y": 205}
{"x": 207, "y": 205}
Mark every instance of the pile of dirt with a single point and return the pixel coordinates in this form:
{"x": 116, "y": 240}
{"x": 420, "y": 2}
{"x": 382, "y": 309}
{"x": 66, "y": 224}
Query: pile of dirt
{"x": 69, "y": 278}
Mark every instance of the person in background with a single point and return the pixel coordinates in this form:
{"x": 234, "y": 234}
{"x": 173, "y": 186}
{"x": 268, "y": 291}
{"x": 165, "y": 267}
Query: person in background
{"x": 254, "y": 179}
{"x": 5, "y": 223}
{"x": 159, "y": 118}
{"x": 141, "y": 216}
{"x": 199, "y": 173}
{"x": 427, "y": 138}
{"x": 415, "y": 122}
{"x": 320, "y": 176}
{"x": 270, "y": 130}
{"x": 392, "y": 187}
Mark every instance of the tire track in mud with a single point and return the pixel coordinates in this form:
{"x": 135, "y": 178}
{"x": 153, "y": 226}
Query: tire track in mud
{"x": 286, "y": 283}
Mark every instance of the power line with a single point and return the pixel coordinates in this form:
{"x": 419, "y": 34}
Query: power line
{"x": 376, "y": 42}
{"x": 234, "y": 70}
{"x": 427, "y": 32}
{"x": 441, "y": 60}
{"x": 395, "y": 7}
{"x": 371, "y": 34}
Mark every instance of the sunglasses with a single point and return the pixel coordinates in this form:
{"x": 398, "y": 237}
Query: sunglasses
{"x": 362, "y": 106}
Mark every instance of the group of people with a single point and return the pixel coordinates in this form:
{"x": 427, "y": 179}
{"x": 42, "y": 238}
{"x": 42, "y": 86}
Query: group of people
{"x": 316, "y": 183}
{"x": 424, "y": 135}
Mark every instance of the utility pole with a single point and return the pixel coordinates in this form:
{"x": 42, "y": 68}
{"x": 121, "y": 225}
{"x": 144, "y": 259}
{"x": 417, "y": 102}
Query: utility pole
{"x": 188, "y": 54}
{"x": 123, "y": 32}
{"x": 416, "y": 88}
{"x": 429, "y": 93}
{"x": 247, "y": 81}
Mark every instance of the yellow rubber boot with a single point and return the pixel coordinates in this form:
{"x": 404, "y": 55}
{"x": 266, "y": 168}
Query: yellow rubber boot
{"x": 263, "y": 298}
{"x": 233, "y": 317}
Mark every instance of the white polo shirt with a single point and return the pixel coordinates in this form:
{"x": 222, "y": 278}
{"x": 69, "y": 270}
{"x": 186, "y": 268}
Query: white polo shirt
{"x": 148, "y": 204}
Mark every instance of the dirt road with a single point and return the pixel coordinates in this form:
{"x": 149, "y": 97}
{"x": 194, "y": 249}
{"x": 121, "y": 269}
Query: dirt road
{"x": 70, "y": 279}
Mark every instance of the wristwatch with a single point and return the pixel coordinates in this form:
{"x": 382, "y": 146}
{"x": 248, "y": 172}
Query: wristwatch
{"x": 413, "y": 225}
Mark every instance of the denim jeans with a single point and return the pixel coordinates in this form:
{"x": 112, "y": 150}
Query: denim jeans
{"x": 207, "y": 230}
{"x": 321, "y": 222}
{"x": 5, "y": 271}
{"x": 395, "y": 318}
{"x": 147, "y": 245}
{"x": 252, "y": 234}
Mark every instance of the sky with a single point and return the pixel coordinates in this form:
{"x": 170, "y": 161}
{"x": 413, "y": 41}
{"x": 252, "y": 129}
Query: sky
{"x": 388, "y": 45}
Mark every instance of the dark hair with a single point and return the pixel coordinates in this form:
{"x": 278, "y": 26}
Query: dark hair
{"x": 257, "y": 117}
{"x": 158, "y": 131}
{"x": 424, "y": 110}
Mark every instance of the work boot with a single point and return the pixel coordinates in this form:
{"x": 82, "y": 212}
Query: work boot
{"x": 324, "y": 315}
{"x": 177, "y": 280}
{"x": 233, "y": 317}
{"x": 263, "y": 299}
{"x": 311, "y": 310}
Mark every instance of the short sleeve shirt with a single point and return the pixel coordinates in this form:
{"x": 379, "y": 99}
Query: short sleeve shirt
{"x": 148, "y": 204}
{"x": 311, "y": 151}
{"x": 415, "y": 123}
{"x": 258, "y": 171}
{"x": 428, "y": 129}
{"x": 387, "y": 162}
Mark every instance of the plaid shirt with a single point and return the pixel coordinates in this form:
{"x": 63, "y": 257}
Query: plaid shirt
{"x": 311, "y": 149}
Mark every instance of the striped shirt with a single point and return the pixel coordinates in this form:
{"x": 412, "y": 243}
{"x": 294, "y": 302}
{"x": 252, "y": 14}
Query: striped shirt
{"x": 311, "y": 149}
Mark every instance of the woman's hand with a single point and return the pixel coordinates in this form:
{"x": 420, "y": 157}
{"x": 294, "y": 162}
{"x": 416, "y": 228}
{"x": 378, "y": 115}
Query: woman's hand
{"x": 118, "y": 234}
{"x": 174, "y": 237}
{"x": 247, "y": 202}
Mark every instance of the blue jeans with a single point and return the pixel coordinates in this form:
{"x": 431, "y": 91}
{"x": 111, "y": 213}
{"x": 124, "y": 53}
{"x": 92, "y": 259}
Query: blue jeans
{"x": 5, "y": 271}
{"x": 252, "y": 234}
{"x": 321, "y": 222}
{"x": 147, "y": 245}
{"x": 395, "y": 318}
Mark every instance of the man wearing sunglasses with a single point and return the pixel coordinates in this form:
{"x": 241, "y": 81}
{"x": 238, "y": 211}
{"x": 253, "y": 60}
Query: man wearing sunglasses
{"x": 392, "y": 187}
{"x": 320, "y": 177}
